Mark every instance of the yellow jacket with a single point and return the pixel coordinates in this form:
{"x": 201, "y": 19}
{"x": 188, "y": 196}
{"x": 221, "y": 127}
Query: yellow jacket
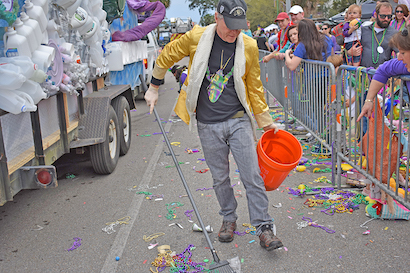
{"x": 246, "y": 72}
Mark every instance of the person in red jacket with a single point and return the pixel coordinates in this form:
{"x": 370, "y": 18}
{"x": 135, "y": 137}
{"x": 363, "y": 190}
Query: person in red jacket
{"x": 284, "y": 23}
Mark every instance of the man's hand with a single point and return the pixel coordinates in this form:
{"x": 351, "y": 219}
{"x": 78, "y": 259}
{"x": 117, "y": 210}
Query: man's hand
{"x": 151, "y": 96}
{"x": 272, "y": 126}
{"x": 356, "y": 50}
{"x": 367, "y": 110}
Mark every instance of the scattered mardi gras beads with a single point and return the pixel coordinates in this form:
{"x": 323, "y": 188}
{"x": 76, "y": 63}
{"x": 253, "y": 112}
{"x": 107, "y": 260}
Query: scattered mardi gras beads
{"x": 109, "y": 228}
{"x": 204, "y": 189}
{"x": 163, "y": 259}
{"x": 152, "y": 236}
{"x": 336, "y": 201}
{"x": 76, "y": 244}
{"x": 188, "y": 214}
{"x": 154, "y": 196}
{"x": 322, "y": 179}
{"x": 171, "y": 211}
{"x": 184, "y": 263}
{"x": 178, "y": 263}
{"x": 144, "y": 192}
{"x": 251, "y": 229}
{"x": 313, "y": 224}
{"x": 325, "y": 170}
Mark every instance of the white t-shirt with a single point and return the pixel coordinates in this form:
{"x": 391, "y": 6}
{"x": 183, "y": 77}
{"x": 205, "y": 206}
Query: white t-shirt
{"x": 355, "y": 36}
{"x": 349, "y": 94}
{"x": 272, "y": 39}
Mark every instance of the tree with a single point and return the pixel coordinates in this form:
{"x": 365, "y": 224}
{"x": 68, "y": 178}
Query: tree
{"x": 204, "y": 6}
{"x": 207, "y": 19}
{"x": 261, "y": 12}
{"x": 340, "y": 5}
{"x": 314, "y": 8}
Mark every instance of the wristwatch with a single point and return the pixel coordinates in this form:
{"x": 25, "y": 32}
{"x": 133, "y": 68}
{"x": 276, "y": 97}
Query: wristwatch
{"x": 367, "y": 100}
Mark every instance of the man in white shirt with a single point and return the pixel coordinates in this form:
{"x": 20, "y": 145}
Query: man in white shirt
{"x": 296, "y": 14}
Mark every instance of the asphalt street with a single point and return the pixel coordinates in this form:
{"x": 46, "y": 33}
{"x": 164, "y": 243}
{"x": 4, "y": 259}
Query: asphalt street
{"x": 39, "y": 226}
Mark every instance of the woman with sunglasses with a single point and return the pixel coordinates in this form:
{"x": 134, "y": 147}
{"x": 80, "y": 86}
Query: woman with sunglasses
{"x": 326, "y": 31}
{"x": 391, "y": 68}
{"x": 400, "y": 17}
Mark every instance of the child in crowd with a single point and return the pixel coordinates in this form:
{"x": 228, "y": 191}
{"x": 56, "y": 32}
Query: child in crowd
{"x": 352, "y": 31}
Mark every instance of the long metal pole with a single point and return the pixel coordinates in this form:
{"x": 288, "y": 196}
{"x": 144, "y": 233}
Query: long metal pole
{"x": 216, "y": 258}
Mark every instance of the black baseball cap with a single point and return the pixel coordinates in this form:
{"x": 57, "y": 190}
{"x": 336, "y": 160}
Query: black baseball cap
{"x": 234, "y": 13}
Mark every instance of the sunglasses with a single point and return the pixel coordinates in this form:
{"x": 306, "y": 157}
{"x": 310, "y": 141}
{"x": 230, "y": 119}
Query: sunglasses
{"x": 399, "y": 11}
{"x": 384, "y": 16}
{"x": 324, "y": 28}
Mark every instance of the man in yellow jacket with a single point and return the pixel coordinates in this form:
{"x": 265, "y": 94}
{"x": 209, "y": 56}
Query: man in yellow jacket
{"x": 223, "y": 91}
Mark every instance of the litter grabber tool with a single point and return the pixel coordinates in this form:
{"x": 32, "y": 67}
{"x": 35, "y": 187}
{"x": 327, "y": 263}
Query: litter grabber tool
{"x": 218, "y": 266}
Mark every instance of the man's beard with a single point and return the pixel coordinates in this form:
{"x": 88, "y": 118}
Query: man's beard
{"x": 382, "y": 24}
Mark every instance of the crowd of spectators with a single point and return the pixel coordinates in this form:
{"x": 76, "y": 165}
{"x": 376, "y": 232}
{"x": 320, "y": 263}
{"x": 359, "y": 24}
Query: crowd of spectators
{"x": 376, "y": 43}
{"x": 359, "y": 43}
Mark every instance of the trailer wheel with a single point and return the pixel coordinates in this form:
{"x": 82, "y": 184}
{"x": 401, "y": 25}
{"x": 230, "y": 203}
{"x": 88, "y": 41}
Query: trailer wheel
{"x": 104, "y": 156}
{"x": 122, "y": 109}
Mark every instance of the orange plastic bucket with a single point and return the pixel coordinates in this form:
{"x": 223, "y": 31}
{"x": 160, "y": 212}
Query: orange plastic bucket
{"x": 278, "y": 154}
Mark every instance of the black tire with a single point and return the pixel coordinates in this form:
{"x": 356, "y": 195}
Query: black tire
{"x": 104, "y": 156}
{"x": 122, "y": 109}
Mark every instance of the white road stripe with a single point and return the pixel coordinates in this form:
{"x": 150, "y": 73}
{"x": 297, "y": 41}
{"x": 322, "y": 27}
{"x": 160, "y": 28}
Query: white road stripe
{"x": 110, "y": 265}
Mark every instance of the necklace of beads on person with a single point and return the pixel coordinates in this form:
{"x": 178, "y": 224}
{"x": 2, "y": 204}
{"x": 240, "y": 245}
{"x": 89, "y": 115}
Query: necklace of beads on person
{"x": 379, "y": 48}
{"x": 396, "y": 24}
{"x": 282, "y": 38}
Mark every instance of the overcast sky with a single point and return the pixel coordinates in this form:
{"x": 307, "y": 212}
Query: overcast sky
{"x": 179, "y": 8}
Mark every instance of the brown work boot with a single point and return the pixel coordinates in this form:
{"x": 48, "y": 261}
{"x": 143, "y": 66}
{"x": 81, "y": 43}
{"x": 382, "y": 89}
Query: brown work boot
{"x": 269, "y": 241}
{"x": 226, "y": 232}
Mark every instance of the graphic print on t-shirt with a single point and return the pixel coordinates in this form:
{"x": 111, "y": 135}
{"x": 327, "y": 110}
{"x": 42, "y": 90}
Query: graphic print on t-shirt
{"x": 217, "y": 83}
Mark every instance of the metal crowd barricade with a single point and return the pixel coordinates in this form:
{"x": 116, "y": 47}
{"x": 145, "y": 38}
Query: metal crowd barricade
{"x": 328, "y": 109}
{"x": 273, "y": 78}
{"x": 379, "y": 160}
{"x": 305, "y": 94}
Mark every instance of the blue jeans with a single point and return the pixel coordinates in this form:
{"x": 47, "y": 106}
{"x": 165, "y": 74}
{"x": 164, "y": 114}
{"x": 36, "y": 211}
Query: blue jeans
{"x": 349, "y": 45}
{"x": 364, "y": 128}
{"x": 235, "y": 135}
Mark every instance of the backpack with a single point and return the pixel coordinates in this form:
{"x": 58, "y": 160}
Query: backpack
{"x": 337, "y": 31}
